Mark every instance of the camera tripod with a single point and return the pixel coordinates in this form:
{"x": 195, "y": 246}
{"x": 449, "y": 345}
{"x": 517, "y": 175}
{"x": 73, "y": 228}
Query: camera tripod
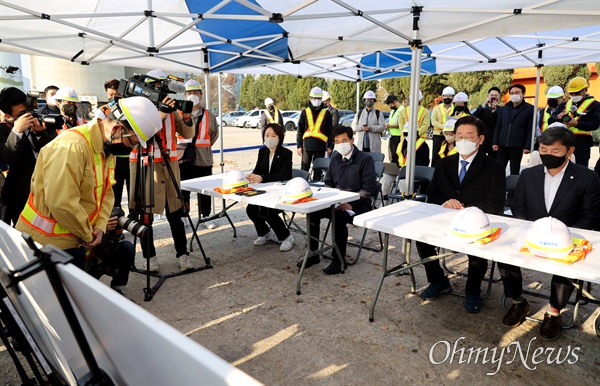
{"x": 146, "y": 216}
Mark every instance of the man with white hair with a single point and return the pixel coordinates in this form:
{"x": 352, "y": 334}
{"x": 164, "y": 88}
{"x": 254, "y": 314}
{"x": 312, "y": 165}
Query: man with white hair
{"x": 271, "y": 115}
{"x": 314, "y": 132}
{"x": 369, "y": 123}
{"x": 439, "y": 116}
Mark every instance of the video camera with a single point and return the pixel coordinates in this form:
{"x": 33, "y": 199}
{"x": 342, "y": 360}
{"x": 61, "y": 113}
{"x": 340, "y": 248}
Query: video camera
{"x": 128, "y": 224}
{"x": 52, "y": 121}
{"x": 156, "y": 90}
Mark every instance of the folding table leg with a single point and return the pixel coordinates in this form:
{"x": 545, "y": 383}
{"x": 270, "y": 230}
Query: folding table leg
{"x": 386, "y": 243}
{"x": 306, "y": 255}
{"x": 340, "y": 257}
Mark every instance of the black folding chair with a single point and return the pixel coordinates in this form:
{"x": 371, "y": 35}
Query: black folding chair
{"x": 322, "y": 165}
{"x": 377, "y": 157}
{"x": 423, "y": 176}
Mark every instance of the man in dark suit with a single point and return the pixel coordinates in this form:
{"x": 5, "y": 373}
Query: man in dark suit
{"x": 469, "y": 178}
{"x": 21, "y": 138}
{"x": 350, "y": 170}
{"x": 560, "y": 189}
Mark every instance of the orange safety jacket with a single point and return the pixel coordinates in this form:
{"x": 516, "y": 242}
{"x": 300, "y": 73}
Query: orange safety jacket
{"x": 168, "y": 137}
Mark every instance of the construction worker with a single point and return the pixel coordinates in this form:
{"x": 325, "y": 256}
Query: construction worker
{"x": 423, "y": 119}
{"x": 421, "y": 150}
{"x": 581, "y": 116}
{"x": 439, "y": 115}
{"x": 270, "y": 115}
{"x": 314, "y": 132}
{"x": 201, "y": 162}
{"x": 335, "y": 115}
{"x": 448, "y": 146}
{"x": 71, "y": 189}
{"x": 67, "y": 100}
{"x": 555, "y": 106}
{"x": 369, "y": 123}
{"x": 166, "y": 198}
{"x": 392, "y": 126}
{"x": 461, "y": 105}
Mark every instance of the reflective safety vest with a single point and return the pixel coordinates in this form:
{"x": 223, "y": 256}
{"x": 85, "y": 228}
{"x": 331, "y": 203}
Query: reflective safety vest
{"x": 545, "y": 120}
{"x": 314, "y": 128}
{"x": 105, "y": 179}
{"x": 400, "y": 153}
{"x": 80, "y": 122}
{"x": 168, "y": 137}
{"x": 419, "y": 117}
{"x": 395, "y": 131}
{"x": 274, "y": 119}
{"x": 582, "y": 107}
{"x": 443, "y": 112}
{"x": 442, "y": 153}
{"x": 203, "y": 138}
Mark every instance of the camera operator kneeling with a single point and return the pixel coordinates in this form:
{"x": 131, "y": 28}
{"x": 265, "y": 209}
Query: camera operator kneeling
{"x": 113, "y": 256}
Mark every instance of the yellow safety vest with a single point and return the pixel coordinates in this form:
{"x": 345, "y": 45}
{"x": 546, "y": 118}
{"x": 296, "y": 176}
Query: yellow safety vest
{"x": 443, "y": 112}
{"x": 401, "y": 158}
{"x": 442, "y": 152}
{"x": 104, "y": 174}
{"x": 314, "y": 128}
{"x": 586, "y": 103}
{"x": 395, "y": 131}
{"x": 419, "y": 117}
{"x": 274, "y": 119}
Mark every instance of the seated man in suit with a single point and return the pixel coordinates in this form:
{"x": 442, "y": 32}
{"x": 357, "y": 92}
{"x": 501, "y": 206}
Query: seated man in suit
{"x": 351, "y": 170}
{"x": 274, "y": 164}
{"x": 561, "y": 189}
{"x": 469, "y": 178}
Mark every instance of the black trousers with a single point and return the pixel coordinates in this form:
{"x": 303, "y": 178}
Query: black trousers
{"x": 435, "y": 273}
{"x": 342, "y": 219}
{"x": 560, "y": 287}
{"x": 486, "y": 147}
{"x": 393, "y": 146}
{"x": 308, "y": 157}
{"x": 187, "y": 172}
{"x": 177, "y": 231}
{"x": 78, "y": 256}
{"x": 115, "y": 265}
{"x": 122, "y": 176}
{"x": 512, "y": 154}
{"x": 583, "y": 147}
{"x": 437, "y": 144}
{"x": 264, "y": 217}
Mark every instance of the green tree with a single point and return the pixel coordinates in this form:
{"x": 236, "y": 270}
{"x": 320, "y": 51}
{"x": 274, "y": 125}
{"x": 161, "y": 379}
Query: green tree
{"x": 343, "y": 94}
{"x": 246, "y": 98}
{"x": 560, "y": 75}
{"x": 430, "y": 85}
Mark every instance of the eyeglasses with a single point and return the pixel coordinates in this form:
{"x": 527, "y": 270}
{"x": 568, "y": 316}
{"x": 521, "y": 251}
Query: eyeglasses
{"x": 471, "y": 138}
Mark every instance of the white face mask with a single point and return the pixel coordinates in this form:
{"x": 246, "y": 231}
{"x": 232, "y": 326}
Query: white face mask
{"x": 465, "y": 147}
{"x": 316, "y": 102}
{"x": 343, "y": 148}
{"x": 51, "y": 100}
{"x": 515, "y": 98}
{"x": 271, "y": 142}
{"x": 576, "y": 98}
{"x": 450, "y": 138}
{"x": 194, "y": 99}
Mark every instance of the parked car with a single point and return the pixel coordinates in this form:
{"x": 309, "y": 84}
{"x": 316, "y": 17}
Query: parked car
{"x": 291, "y": 122}
{"x": 343, "y": 113}
{"x": 230, "y": 116}
{"x": 250, "y": 119}
{"x": 347, "y": 120}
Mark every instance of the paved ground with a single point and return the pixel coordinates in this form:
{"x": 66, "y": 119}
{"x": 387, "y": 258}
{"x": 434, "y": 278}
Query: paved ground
{"x": 247, "y": 312}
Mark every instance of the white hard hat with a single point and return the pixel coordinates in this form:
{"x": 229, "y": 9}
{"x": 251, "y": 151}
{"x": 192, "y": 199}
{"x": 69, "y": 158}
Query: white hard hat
{"x": 158, "y": 74}
{"x": 326, "y": 95}
{"x": 369, "y": 95}
{"x": 142, "y": 116}
{"x": 316, "y": 92}
{"x": 449, "y": 125}
{"x": 295, "y": 189}
{"x": 448, "y": 91}
{"x": 66, "y": 94}
{"x": 420, "y": 95}
{"x": 554, "y": 92}
{"x": 549, "y": 237}
{"x": 268, "y": 101}
{"x": 234, "y": 179}
{"x": 192, "y": 85}
{"x": 468, "y": 225}
{"x": 556, "y": 124}
{"x": 461, "y": 97}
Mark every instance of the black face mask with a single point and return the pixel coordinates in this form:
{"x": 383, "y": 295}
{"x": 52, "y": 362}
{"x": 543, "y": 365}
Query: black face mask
{"x": 116, "y": 148}
{"x": 459, "y": 109}
{"x": 271, "y": 108}
{"x": 553, "y": 103}
{"x": 70, "y": 109}
{"x": 447, "y": 101}
{"x": 552, "y": 161}
{"x": 393, "y": 108}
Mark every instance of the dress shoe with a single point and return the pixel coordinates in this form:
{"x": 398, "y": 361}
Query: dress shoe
{"x": 334, "y": 268}
{"x": 436, "y": 289}
{"x": 550, "y": 329}
{"x": 309, "y": 262}
{"x": 473, "y": 303}
{"x": 516, "y": 314}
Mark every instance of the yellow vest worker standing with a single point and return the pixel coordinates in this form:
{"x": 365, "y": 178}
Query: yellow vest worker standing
{"x": 423, "y": 119}
{"x": 439, "y": 115}
{"x": 71, "y": 189}
{"x": 392, "y": 126}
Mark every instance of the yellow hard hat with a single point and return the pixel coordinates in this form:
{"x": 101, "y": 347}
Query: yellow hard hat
{"x": 549, "y": 237}
{"x": 295, "y": 189}
{"x": 577, "y": 84}
{"x": 468, "y": 225}
{"x": 234, "y": 179}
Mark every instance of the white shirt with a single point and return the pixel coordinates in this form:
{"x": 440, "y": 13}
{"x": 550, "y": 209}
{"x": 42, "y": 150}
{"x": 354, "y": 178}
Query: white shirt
{"x": 469, "y": 160}
{"x": 551, "y": 184}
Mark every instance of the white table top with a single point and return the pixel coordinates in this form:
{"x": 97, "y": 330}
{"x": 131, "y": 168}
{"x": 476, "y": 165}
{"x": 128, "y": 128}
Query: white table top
{"x": 428, "y": 223}
{"x": 325, "y": 196}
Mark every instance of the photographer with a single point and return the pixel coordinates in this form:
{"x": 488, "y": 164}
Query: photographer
{"x": 113, "y": 256}
{"x": 165, "y": 194}
{"x": 21, "y": 138}
{"x": 488, "y": 112}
